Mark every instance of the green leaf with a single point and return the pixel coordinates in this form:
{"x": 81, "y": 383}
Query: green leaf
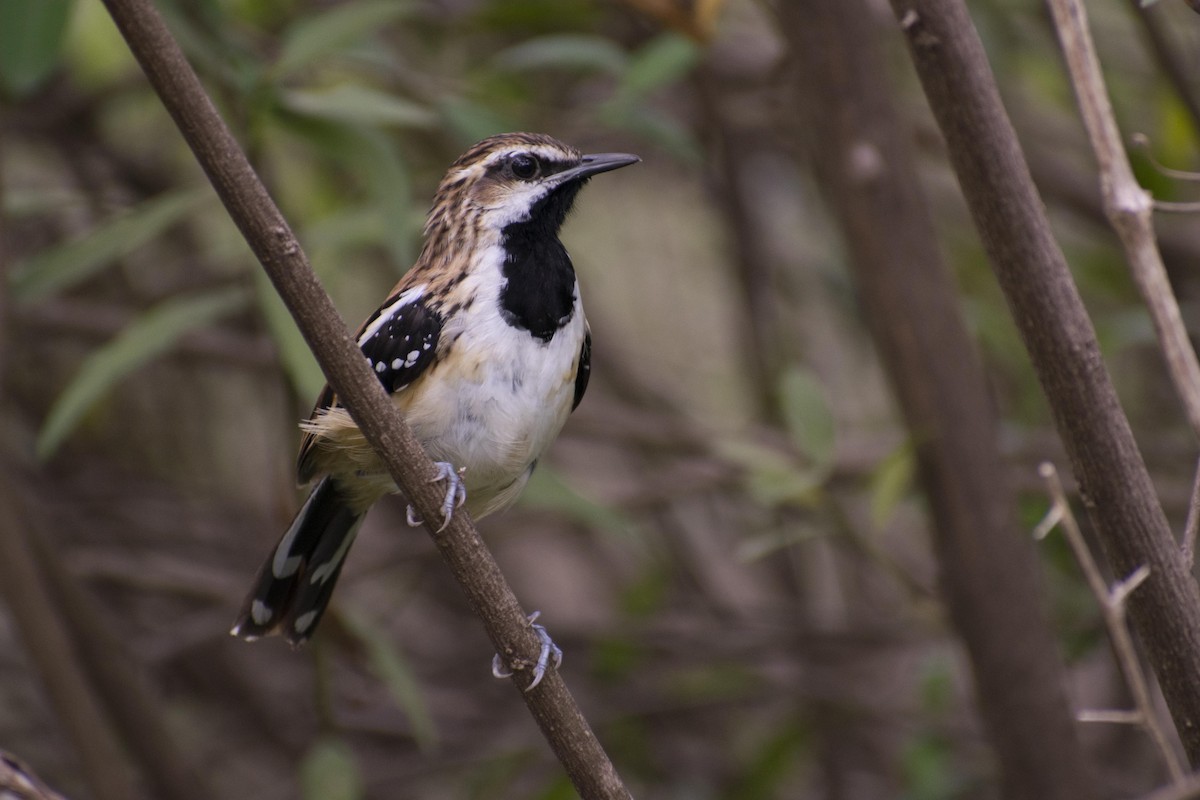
{"x": 927, "y": 768}
{"x": 93, "y": 50}
{"x": 388, "y": 664}
{"x": 317, "y": 36}
{"x": 28, "y": 202}
{"x": 664, "y": 60}
{"x": 65, "y": 265}
{"x": 656, "y": 126}
{"x": 31, "y": 35}
{"x": 773, "y": 478}
{"x": 213, "y": 53}
{"x": 891, "y": 481}
{"x": 298, "y": 361}
{"x": 564, "y": 51}
{"x": 775, "y": 760}
{"x": 758, "y": 546}
{"x": 559, "y": 789}
{"x": 547, "y": 489}
{"x": 152, "y": 334}
{"x": 472, "y": 121}
{"x": 350, "y": 102}
{"x": 329, "y": 772}
{"x": 808, "y": 416}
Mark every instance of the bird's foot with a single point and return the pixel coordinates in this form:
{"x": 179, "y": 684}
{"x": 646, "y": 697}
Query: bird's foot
{"x": 549, "y": 652}
{"x": 456, "y": 495}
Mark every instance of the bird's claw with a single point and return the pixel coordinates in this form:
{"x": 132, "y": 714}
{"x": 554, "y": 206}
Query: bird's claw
{"x": 456, "y": 495}
{"x": 550, "y": 651}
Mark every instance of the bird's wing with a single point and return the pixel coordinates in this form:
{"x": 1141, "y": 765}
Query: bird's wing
{"x": 584, "y": 370}
{"x": 400, "y": 341}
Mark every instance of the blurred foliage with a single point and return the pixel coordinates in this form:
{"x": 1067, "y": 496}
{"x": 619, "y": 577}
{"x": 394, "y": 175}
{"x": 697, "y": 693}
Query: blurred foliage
{"x": 736, "y": 564}
{"x": 31, "y": 36}
{"x": 328, "y": 772}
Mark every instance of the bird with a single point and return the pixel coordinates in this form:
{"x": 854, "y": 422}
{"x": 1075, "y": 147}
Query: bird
{"x": 485, "y": 350}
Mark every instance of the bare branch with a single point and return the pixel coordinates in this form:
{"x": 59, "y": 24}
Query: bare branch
{"x": 1112, "y": 604}
{"x": 858, "y": 147}
{"x": 1172, "y": 207}
{"x": 1127, "y": 205}
{"x": 19, "y": 782}
{"x": 277, "y": 248}
{"x": 1056, "y": 330}
{"x": 1114, "y": 716}
{"x": 1192, "y": 525}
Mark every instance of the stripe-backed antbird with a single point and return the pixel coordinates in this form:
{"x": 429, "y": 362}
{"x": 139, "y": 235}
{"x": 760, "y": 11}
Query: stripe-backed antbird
{"x": 485, "y": 350}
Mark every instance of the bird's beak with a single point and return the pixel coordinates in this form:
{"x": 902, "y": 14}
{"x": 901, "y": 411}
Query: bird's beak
{"x": 594, "y": 164}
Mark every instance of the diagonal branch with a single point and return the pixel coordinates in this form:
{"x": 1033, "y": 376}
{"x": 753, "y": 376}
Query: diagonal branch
{"x": 276, "y": 247}
{"x": 1127, "y": 205}
{"x": 1058, "y": 334}
{"x": 1112, "y": 606}
{"x": 857, "y": 144}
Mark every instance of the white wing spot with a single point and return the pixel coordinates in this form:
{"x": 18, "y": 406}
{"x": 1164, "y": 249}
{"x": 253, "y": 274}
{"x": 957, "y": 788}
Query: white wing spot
{"x": 411, "y": 358}
{"x": 380, "y": 367}
{"x": 260, "y": 612}
{"x": 397, "y": 363}
{"x": 387, "y": 312}
{"x": 304, "y": 621}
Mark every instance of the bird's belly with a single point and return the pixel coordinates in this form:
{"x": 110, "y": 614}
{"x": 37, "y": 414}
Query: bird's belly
{"x": 493, "y": 410}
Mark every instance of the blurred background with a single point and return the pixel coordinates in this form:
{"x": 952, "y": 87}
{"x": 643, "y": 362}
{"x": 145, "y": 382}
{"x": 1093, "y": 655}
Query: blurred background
{"x": 727, "y": 540}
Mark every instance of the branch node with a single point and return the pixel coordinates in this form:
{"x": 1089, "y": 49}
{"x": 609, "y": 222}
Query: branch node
{"x": 1141, "y": 143}
{"x": 1122, "y": 589}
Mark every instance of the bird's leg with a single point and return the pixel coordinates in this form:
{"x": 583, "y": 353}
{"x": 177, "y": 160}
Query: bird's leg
{"x": 456, "y": 495}
{"x": 550, "y": 651}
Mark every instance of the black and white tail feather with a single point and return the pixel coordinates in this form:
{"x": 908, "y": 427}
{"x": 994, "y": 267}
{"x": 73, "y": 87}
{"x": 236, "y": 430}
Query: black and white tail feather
{"x": 295, "y": 583}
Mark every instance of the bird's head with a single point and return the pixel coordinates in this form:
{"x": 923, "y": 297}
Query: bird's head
{"x": 516, "y": 178}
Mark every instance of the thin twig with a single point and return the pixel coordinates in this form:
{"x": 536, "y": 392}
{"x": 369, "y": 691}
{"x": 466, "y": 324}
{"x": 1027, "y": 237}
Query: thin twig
{"x": 1190, "y": 528}
{"x": 1128, "y": 206}
{"x": 1173, "y": 207}
{"x": 19, "y": 782}
{"x": 279, "y": 252}
{"x": 1142, "y": 142}
{"x": 1110, "y": 716}
{"x": 1112, "y": 605}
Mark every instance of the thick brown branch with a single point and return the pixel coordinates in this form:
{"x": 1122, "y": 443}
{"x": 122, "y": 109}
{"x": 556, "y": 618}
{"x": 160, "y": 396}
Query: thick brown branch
{"x": 1058, "y": 334}
{"x": 276, "y": 247}
{"x": 988, "y": 571}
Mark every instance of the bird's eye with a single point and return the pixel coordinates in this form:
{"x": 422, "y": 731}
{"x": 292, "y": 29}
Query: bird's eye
{"x": 524, "y": 166}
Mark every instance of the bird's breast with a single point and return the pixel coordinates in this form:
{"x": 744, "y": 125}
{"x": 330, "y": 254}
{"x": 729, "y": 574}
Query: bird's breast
{"x": 496, "y": 399}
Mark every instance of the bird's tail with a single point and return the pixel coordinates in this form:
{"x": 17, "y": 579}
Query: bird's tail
{"x": 295, "y": 583}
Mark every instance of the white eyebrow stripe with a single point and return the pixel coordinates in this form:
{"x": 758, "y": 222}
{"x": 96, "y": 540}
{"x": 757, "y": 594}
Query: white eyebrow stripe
{"x": 539, "y": 150}
{"x": 386, "y": 313}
